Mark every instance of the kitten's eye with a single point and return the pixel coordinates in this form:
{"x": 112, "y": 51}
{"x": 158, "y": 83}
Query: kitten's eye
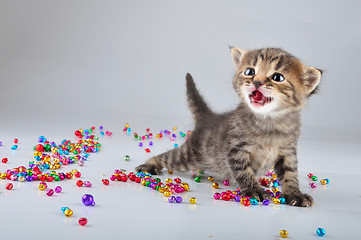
{"x": 249, "y": 72}
{"x": 278, "y": 77}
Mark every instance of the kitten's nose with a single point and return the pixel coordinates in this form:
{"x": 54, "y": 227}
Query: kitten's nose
{"x": 257, "y": 84}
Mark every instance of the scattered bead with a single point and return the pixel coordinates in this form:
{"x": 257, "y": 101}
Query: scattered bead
{"x": 314, "y": 178}
{"x": 105, "y": 181}
{"x": 79, "y": 183}
{"x": 64, "y": 208}
{"x": 210, "y": 178}
{"x": 50, "y": 192}
{"x": 88, "y": 200}
{"x": 313, "y": 185}
{"x": 225, "y": 182}
{"x": 171, "y": 199}
{"x": 4, "y": 160}
{"x": 9, "y": 186}
{"x": 83, "y": 221}
{"x": 323, "y": 182}
{"x": 58, "y": 189}
{"x": 123, "y": 178}
{"x": 170, "y": 171}
{"x": 217, "y": 196}
{"x": 78, "y": 134}
{"x": 246, "y": 202}
{"x": 320, "y": 232}
{"x": 14, "y": 147}
{"x": 42, "y": 186}
{"x": 178, "y": 199}
{"x": 87, "y": 184}
{"x": 193, "y": 200}
{"x": 266, "y": 202}
{"x": 197, "y": 179}
{"x": 276, "y": 200}
{"x": 126, "y": 157}
{"x": 237, "y": 198}
{"x": 185, "y": 186}
{"x": 215, "y": 185}
{"x": 81, "y": 163}
{"x": 167, "y": 193}
{"x": 283, "y": 233}
{"x": 253, "y": 201}
{"x": 68, "y": 212}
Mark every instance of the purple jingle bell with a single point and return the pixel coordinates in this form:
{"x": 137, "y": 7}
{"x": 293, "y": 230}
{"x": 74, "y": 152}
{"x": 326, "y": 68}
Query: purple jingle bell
{"x": 88, "y": 200}
{"x": 266, "y": 202}
{"x": 171, "y": 199}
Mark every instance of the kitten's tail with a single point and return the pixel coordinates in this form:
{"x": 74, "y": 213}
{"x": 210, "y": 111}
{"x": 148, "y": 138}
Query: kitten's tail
{"x": 196, "y": 103}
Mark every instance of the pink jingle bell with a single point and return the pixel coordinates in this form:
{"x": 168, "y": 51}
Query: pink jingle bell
{"x": 58, "y": 189}
{"x": 226, "y": 183}
{"x": 87, "y": 184}
{"x": 50, "y": 192}
{"x": 83, "y": 221}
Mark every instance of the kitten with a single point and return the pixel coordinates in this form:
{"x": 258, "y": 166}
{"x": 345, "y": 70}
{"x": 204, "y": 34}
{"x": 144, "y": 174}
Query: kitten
{"x": 261, "y": 132}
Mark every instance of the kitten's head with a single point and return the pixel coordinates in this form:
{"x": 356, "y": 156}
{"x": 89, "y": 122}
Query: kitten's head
{"x": 273, "y": 82}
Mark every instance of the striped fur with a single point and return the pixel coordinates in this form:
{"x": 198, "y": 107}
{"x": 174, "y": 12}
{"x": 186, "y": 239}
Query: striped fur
{"x": 240, "y": 144}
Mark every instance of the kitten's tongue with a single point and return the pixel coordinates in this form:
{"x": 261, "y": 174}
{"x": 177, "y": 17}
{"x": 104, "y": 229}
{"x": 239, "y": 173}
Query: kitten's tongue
{"x": 257, "y": 95}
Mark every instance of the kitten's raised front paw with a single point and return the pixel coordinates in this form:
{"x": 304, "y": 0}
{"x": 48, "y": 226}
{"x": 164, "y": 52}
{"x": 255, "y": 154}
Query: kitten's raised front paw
{"x": 257, "y": 193}
{"x": 298, "y": 199}
{"x": 147, "y": 167}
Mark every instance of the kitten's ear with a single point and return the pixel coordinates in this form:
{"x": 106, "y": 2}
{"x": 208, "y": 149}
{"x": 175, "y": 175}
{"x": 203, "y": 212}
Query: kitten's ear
{"x": 311, "y": 79}
{"x": 237, "y": 55}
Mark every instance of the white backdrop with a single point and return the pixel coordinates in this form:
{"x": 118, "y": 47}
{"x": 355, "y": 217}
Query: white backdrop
{"x": 111, "y": 62}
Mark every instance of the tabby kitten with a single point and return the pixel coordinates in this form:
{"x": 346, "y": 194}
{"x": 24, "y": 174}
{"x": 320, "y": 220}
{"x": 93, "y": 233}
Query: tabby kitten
{"x": 261, "y": 132}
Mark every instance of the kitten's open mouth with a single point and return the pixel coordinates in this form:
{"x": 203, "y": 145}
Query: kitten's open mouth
{"x": 258, "y": 99}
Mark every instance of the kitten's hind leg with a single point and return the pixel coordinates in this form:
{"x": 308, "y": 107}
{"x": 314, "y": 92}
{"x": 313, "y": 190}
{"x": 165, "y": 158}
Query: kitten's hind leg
{"x": 153, "y": 166}
{"x": 175, "y": 159}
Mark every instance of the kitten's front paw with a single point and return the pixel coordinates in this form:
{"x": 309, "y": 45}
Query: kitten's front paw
{"x": 257, "y": 193}
{"x": 298, "y": 199}
{"x": 147, "y": 167}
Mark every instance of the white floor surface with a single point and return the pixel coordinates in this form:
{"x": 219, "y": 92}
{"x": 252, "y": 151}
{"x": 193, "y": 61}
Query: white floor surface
{"x": 131, "y": 211}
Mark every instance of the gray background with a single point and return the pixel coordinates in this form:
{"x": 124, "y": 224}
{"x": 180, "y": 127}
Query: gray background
{"x": 110, "y": 62}
{"x": 66, "y": 65}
